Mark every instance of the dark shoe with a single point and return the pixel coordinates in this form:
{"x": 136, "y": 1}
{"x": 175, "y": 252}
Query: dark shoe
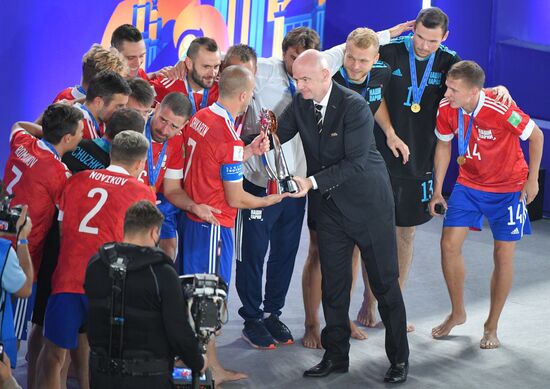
{"x": 257, "y": 335}
{"x": 278, "y": 330}
{"x": 327, "y": 366}
{"x": 397, "y": 373}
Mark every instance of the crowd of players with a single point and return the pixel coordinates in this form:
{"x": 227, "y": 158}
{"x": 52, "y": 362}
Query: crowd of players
{"x": 187, "y": 139}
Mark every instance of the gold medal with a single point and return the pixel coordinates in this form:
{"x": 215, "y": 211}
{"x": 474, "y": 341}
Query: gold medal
{"x": 461, "y": 160}
{"x": 153, "y": 188}
{"x": 415, "y": 107}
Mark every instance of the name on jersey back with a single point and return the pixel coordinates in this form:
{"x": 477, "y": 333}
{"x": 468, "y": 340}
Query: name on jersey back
{"x": 27, "y": 158}
{"x": 199, "y": 126}
{"x": 108, "y": 179}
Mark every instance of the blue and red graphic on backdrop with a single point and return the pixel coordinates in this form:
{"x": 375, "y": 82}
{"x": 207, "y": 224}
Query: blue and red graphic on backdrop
{"x": 169, "y": 26}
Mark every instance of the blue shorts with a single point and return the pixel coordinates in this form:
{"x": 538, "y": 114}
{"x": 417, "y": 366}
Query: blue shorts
{"x": 22, "y": 314}
{"x": 66, "y": 317}
{"x": 200, "y": 242}
{"x": 506, "y": 213}
{"x": 171, "y": 213}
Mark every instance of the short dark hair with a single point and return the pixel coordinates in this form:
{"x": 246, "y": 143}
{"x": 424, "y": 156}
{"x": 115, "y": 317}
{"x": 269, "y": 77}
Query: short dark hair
{"x": 141, "y": 217}
{"x": 128, "y": 147}
{"x": 142, "y": 91}
{"x": 126, "y": 32}
{"x": 105, "y": 85}
{"x": 234, "y": 79}
{"x": 468, "y": 71}
{"x": 243, "y": 52}
{"x": 59, "y": 120}
{"x": 208, "y": 43}
{"x": 178, "y": 103}
{"x": 433, "y": 17}
{"x": 303, "y": 37}
{"x": 124, "y": 119}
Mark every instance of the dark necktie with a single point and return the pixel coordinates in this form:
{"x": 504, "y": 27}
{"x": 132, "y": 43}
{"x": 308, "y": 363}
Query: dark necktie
{"x": 319, "y": 117}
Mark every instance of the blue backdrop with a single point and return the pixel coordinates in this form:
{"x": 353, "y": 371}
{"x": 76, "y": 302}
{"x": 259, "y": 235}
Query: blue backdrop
{"x": 44, "y": 42}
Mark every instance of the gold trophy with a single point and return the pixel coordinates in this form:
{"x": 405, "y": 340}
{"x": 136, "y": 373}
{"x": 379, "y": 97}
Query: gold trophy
{"x": 280, "y": 180}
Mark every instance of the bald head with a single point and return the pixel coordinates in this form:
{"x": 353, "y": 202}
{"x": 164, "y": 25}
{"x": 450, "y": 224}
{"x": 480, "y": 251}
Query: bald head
{"x": 312, "y": 74}
{"x": 235, "y": 80}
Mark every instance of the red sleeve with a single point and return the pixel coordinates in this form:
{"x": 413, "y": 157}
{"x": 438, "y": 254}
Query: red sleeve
{"x": 231, "y": 152}
{"x": 518, "y": 122}
{"x": 443, "y": 128}
{"x": 163, "y": 86}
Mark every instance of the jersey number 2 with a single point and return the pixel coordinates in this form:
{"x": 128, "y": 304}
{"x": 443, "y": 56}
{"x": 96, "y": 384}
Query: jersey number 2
{"x": 84, "y": 227}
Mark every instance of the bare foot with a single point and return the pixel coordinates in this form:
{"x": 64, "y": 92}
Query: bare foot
{"x": 356, "y": 332}
{"x": 312, "y": 336}
{"x": 445, "y": 328}
{"x": 222, "y": 375}
{"x": 367, "y": 314}
{"x": 410, "y": 327}
{"x": 489, "y": 340}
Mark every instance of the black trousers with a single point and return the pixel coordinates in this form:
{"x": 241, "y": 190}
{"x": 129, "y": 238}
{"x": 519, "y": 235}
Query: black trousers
{"x": 376, "y": 240}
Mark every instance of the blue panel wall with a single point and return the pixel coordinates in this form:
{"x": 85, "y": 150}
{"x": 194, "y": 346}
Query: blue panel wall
{"x": 344, "y": 15}
{"x": 42, "y": 53}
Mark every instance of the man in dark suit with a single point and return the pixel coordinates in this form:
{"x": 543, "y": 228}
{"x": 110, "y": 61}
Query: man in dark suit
{"x": 345, "y": 168}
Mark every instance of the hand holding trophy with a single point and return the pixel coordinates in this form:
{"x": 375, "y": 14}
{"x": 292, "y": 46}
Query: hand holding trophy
{"x": 280, "y": 180}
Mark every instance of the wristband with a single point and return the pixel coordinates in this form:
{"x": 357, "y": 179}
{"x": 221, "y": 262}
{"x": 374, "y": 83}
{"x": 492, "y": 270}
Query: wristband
{"x": 22, "y": 241}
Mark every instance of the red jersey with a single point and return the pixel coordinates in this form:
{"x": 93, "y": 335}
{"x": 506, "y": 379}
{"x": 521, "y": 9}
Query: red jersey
{"x": 92, "y": 128}
{"x": 494, "y": 160}
{"x": 35, "y": 176}
{"x": 172, "y": 163}
{"x": 91, "y": 212}
{"x": 213, "y": 154}
{"x": 163, "y": 86}
{"x": 70, "y": 94}
{"x": 143, "y": 74}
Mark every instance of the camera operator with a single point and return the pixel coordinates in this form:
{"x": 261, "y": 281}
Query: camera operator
{"x": 137, "y": 314}
{"x": 16, "y": 276}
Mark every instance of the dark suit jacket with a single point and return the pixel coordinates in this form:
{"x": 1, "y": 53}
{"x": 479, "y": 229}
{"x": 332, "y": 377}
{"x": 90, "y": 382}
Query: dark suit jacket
{"x": 343, "y": 158}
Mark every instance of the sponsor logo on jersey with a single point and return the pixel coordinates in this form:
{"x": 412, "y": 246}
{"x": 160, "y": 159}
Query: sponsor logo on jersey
{"x": 514, "y": 119}
{"x": 375, "y": 94}
{"x": 515, "y": 232}
{"x": 485, "y": 134}
{"x": 435, "y": 78}
{"x": 397, "y": 72}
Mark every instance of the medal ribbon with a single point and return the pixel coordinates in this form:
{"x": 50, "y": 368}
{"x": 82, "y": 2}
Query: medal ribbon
{"x": 463, "y": 142}
{"x": 81, "y": 89}
{"x": 291, "y": 86}
{"x": 50, "y": 146}
{"x": 94, "y": 122}
{"x": 153, "y": 170}
{"x": 191, "y": 96}
{"x": 418, "y": 90}
{"x": 346, "y": 79}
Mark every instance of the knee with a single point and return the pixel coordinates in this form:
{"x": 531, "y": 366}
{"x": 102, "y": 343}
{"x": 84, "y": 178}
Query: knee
{"x": 406, "y": 234}
{"x": 449, "y": 247}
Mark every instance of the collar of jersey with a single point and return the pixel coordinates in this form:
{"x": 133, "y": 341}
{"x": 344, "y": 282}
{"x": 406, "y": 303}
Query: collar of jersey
{"x": 220, "y": 111}
{"x": 46, "y": 148}
{"x": 117, "y": 169}
{"x": 479, "y": 104}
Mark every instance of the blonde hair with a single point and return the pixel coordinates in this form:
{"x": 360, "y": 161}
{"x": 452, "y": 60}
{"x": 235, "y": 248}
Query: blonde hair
{"x": 363, "y": 38}
{"x": 98, "y": 59}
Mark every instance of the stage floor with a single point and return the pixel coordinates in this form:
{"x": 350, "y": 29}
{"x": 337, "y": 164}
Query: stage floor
{"x": 455, "y": 362}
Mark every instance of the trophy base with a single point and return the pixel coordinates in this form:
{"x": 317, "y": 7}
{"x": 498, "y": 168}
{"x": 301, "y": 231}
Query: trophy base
{"x": 289, "y": 185}
{"x": 284, "y": 185}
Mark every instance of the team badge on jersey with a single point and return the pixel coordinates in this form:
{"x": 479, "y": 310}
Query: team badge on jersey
{"x": 238, "y": 153}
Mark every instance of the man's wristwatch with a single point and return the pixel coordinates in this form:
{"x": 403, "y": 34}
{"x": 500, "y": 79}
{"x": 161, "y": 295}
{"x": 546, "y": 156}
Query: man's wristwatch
{"x": 22, "y": 241}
